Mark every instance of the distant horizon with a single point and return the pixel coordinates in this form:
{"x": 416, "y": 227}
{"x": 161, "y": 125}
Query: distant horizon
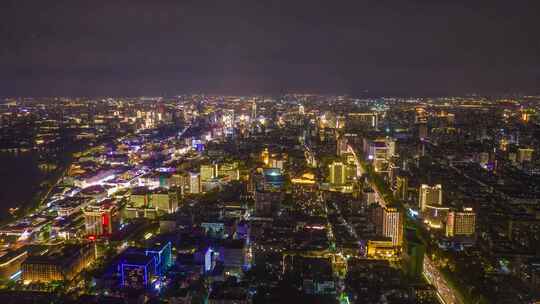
{"x": 275, "y": 95}
{"x": 161, "y": 47}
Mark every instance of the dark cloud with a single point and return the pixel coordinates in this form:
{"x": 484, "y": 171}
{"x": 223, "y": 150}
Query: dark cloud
{"x": 137, "y": 47}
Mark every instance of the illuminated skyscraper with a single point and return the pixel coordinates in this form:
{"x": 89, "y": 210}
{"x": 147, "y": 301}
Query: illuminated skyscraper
{"x": 341, "y": 145}
{"x": 162, "y": 254}
{"x": 254, "y": 111}
{"x": 301, "y": 110}
{"x": 402, "y": 187}
{"x": 392, "y": 225}
{"x": 461, "y": 223}
{"x": 229, "y": 170}
{"x": 194, "y": 183}
{"x": 136, "y": 270}
{"x": 421, "y": 115}
{"x": 430, "y": 196}
{"x": 361, "y": 120}
{"x": 265, "y": 156}
{"x": 338, "y": 173}
{"x": 228, "y": 118}
{"x": 422, "y": 130}
{"x": 100, "y": 220}
{"x": 208, "y": 172}
{"x": 380, "y": 151}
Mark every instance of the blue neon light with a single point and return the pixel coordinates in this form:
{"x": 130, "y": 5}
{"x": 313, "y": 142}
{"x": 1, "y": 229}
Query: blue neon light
{"x": 16, "y": 275}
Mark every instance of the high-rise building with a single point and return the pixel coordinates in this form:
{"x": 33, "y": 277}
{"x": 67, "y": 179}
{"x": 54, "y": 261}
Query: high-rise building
{"x": 503, "y": 144}
{"x": 381, "y": 148}
{"x": 435, "y": 216}
{"x": 265, "y": 156}
{"x": 362, "y": 120}
{"x": 338, "y": 173}
{"x": 392, "y": 225}
{"x": 165, "y": 200}
{"x": 228, "y": 118}
{"x": 380, "y": 151}
{"x": 229, "y": 170}
{"x": 301, "y": 109}
{"x": 162, "y": 254}
{"x": 422, "y": 130}
{"x": 402, "y": 187}
{"x": 254, "y": 111}
{"x": 421, "y": 115}
{"x": 430, "y": 196}
{"x": 194, "y": 183}
{"x": 58, "y": 263}
{"x": 461, "y": 223}
{"x": 208, "y": 172}
{"x": 276, "y": 163}
{"x": 342, "y": 147}
{"x": 101, "y": 220}
{"x": 136, "y": 270}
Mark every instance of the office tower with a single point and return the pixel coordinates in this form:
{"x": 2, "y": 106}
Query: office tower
{"x": 392, "y": 225}
{"x": 362, "y": 120}
{"x": 253, "y": 110}
{"x": 402, "y": 187}
{"x": 182, "y": 181}
{"x": 58, "y": 263}
{"x": 435, "y": 216}
{"x": 265, "y": 156}
{"x": 328, "y": 120}
{"x": 377, "y": 149}
{"x": 342, "y": 146}
{"x": 461, "y": 223}
{"x": 208, "y": 172}
{"x": 340, "y": 122}
{"x": 430, "y": 196}
{"x": 391, "y": 145}
{"x": 276, "y": 163}
{"x": 100, "y": 220}
{"x": 162, "y": 254}
{"x": 228, "y": 118}
{"x": 165, "y": 200}
{"x": 421, "y": 115}
{"x": 380, "y": 151}
{"x": 422, "y": 130}
{"x": 194, "y": 183}
{"x": 338, "y": 173}
{"x": 136, "y": 270}
{"x": 229, "y": 170}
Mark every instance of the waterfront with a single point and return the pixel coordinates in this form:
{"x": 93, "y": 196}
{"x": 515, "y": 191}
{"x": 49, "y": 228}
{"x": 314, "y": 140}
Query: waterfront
{"x": 23, "y": 180}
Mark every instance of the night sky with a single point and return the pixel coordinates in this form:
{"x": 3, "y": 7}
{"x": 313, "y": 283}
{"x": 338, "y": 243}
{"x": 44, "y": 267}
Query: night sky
{"x": 153, "y": 47}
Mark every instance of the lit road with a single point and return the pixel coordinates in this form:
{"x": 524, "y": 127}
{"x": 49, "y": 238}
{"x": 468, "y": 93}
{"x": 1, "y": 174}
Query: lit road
{"x": 432, "y": 274}
{"x": 445, "y": 293}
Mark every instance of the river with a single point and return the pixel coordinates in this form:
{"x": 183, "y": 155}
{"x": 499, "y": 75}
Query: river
{"x": 22, "y": 179}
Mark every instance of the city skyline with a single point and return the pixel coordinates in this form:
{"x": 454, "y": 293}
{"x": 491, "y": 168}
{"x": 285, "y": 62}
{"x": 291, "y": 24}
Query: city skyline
{"x": 262, "y": 152}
